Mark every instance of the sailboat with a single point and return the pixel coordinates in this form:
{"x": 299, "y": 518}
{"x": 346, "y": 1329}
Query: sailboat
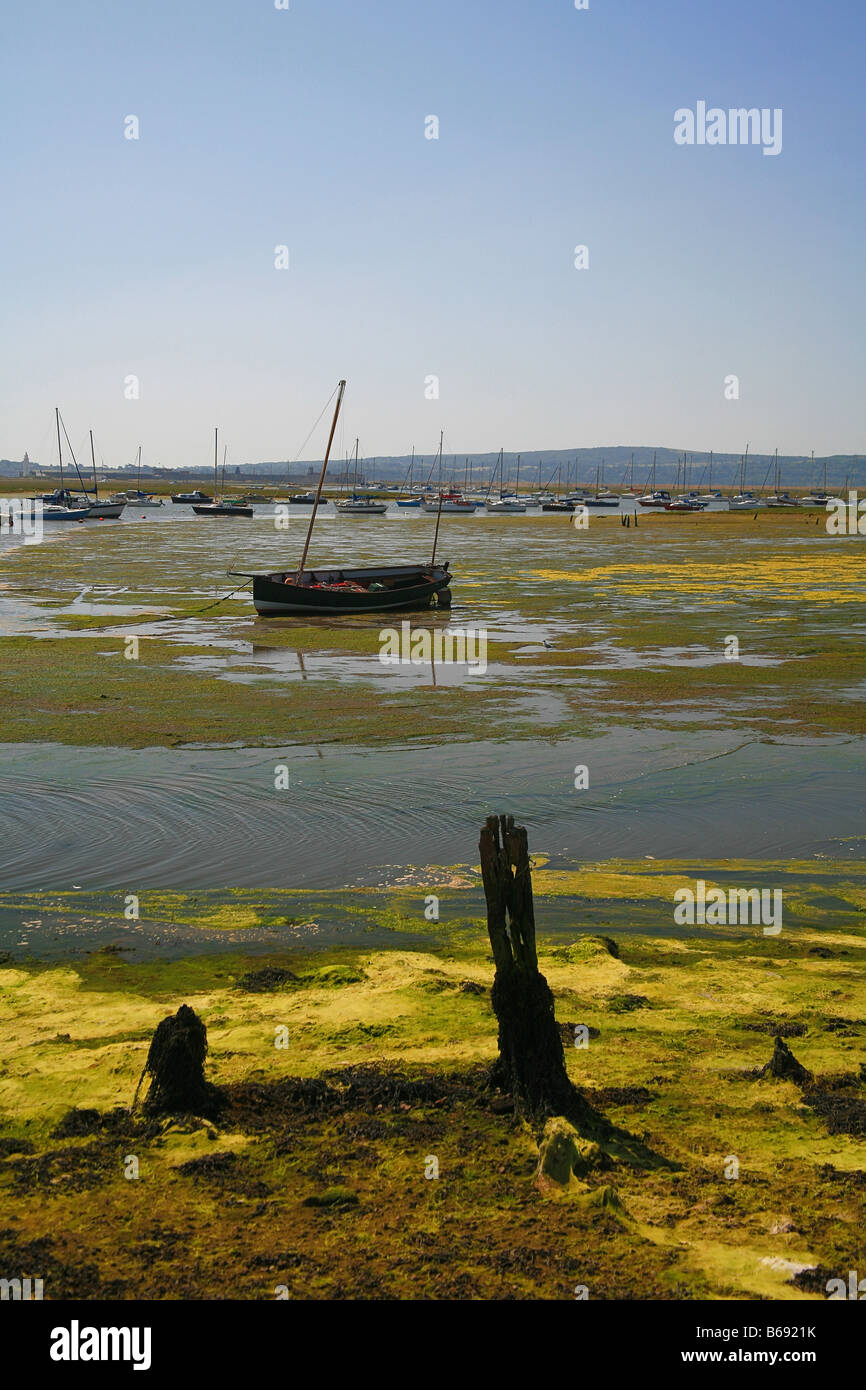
{"x": 631, "y": 490}
{"x": 744, "y": 501}
{"x": 60, "y": 504}
{"x": 64, "y": 505}
{"x": 779, "y": 498}
{"x": 504, "y": 503}
{"x": 821, "y": 497}
{"x": 452, "y": 502}
{"x": 413, "y": 499}
{"x": 221, "y": 506}
{"x": 135, "y": 494}
{"x": 602, "y": 497}
{"x": 384, "y": 588}
{"x": 101, "y": 511}
{"x": 686, "y": 501}
{"x": 360, "y": 504}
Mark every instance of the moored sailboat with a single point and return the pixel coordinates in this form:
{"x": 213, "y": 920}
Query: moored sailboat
{"x": 221, "y": 506}
{"x": 345, "y": 589}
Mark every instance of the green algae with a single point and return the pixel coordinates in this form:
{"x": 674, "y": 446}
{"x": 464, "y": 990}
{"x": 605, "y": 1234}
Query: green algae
{"x": 628, "y": 617}
{"x": 681, "y": 1070}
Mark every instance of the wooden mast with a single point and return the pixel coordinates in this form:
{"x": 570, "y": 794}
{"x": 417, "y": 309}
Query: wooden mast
{"x": 439, "y": 508}
{"x": 340, "y": 391}
{"x": 59, "y": 447}
{"x": 93, "y": 466}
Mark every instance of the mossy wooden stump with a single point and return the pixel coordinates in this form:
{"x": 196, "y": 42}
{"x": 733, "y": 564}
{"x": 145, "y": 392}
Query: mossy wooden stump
{"x": 531, "y": 1063}
{"x": 175, "y": 1064}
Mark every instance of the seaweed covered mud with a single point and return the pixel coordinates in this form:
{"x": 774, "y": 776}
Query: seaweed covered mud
{"x": 356, "y": 1147}
{"x": 584, "y": 628}
{"x": 211, "y": 812}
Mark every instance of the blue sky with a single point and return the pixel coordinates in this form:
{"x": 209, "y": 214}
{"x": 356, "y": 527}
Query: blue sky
{"x": 412, "y": 257}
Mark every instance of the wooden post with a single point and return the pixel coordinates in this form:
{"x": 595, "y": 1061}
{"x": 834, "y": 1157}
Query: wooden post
{"x": 531, "y": 1063}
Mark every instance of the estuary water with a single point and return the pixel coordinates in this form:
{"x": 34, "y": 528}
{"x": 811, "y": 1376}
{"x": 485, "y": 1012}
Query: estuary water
{"x": 332, "y": 816}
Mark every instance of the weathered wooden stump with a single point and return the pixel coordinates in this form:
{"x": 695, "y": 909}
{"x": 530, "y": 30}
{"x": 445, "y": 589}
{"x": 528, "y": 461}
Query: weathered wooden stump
{"x": 531, "y": 1063}
{"x": 784, "y": 1066}
{"x": 175, "y": 1064}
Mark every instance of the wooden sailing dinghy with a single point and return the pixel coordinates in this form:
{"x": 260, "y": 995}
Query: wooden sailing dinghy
{"x": 343, "y": 589}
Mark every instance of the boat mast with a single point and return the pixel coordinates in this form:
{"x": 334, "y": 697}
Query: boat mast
{"x": 215, "y": 451}
{"x": 439, "y": 508}
{"x": 340, "y": 391}
{"x": 59, "y": 449}
{"x": 93, "y": 466}
{"x": 517, "y": 484}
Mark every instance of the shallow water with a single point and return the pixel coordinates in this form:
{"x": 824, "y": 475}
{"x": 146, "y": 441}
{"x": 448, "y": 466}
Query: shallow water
{"x": 134, "y": 819}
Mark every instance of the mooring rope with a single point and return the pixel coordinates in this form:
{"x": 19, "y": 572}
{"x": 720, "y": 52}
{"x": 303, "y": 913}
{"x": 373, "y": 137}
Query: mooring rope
{"x": 177, "y": 617}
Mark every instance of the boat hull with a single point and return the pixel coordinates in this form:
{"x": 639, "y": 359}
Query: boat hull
{"x": 404, "y": 587}
{"x": 63, "y": 513}
{"x": 104, "y": 511}
{"x": 448, "y": 509}
{"x": 214, "y": 510}
{"x": 373, "y": 510}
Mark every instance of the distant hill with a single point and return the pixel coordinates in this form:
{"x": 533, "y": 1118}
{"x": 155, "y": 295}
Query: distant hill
{"x": 578, "y": 466}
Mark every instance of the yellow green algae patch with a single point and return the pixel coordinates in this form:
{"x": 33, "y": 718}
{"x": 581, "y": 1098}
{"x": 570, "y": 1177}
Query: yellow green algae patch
{"x": 675, "y": 1032}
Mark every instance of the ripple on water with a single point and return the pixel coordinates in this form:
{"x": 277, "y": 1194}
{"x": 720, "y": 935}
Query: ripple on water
{"x": 130, "y": 819}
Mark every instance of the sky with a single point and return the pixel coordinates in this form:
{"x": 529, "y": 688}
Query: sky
{"x": 413, "y": 259}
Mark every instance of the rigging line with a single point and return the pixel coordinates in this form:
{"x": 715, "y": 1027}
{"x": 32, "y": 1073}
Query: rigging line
{"x": 72, "y": 453}
{"x": 315, "y": 427}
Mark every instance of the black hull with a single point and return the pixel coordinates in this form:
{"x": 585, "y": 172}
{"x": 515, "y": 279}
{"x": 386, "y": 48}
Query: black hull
{"x": 210, "y": 510}
{"x": 404, "y": 587}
